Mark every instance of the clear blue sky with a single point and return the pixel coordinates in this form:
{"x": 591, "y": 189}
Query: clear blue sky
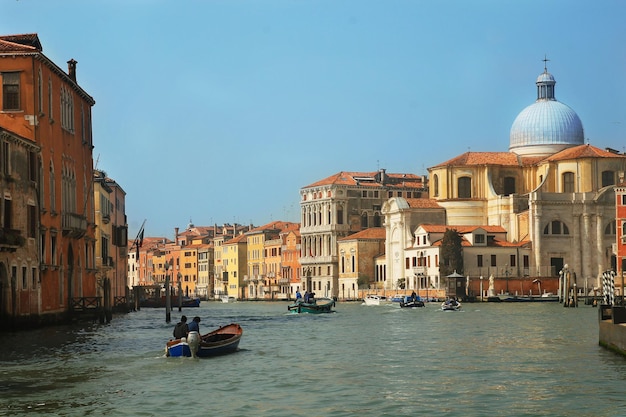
{"x": 220, "y": 111}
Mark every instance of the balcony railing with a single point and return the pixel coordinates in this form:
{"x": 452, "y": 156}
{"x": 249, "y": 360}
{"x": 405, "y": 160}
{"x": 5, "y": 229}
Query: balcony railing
{"x": 74, "y": 225}
{"x": 11, "y": 240}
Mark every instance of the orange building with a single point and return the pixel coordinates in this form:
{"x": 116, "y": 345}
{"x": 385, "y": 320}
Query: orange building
{"x": 45, "y": 108}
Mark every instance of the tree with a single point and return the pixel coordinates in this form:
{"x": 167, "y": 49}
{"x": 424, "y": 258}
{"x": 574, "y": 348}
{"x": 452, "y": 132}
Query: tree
{"x": 451, "y": 253}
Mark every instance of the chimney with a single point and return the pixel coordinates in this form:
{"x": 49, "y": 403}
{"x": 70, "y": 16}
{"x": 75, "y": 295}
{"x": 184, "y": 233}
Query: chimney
{"x": 71, "y": 69}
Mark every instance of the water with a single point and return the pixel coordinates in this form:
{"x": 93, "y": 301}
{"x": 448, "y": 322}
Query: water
{"x": 499, "y": 359}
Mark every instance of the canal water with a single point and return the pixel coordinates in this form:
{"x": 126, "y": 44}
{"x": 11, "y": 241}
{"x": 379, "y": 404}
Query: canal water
{"x": 498, "y": 359}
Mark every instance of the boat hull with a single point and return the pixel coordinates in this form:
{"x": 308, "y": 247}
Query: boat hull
{"x": 319, "y": 306}
{"x": 222, "y": 341}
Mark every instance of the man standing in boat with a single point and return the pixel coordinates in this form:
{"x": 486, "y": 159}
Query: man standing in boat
{"x": 181, "y": 329}
{"x": 193, "y": 338}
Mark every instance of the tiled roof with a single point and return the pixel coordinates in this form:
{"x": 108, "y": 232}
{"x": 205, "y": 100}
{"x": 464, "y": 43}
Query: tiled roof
{"x": 583, "y": 151}
{"x": 275, "y": 225}
{"x": 20, "y": 43}
{"x": 371, "y": 233}
{"x": 237, "y": 239}
{"x": 423, "y": 203}
{"x": 368, "y": 179}
{"x": 483, "y": 158}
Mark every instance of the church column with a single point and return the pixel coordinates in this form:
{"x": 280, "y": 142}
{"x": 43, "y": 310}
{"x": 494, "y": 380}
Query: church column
{"x": 586, "y": 247}
{"x": 600, "y": 250}
{"x": 536, "y": 235}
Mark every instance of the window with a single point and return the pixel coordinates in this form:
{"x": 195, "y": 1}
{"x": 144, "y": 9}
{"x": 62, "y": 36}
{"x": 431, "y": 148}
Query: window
{"x": 32, "y": 221}
{"x": 608, "y": 178}
{"x": 610, "y": 228}
{"x": 556, "y": 227}
{"x": 568, "y": 182}
{"x": 364, "y": 221}
{"x": 479, "y": 239}
{"x": 479, "y": 261}
{"x": 464, "y": 187}
{"x": 24, "y": 278}
{"x": 10, "y": 91}
{"x": 512, "y": 260}
{"x": 493, "y": 260}
{"x": 8, "y": 213}
{"x": 339, "y": 215}
{"x": 6, "y": 158}
{"x": 436, "y": 185}
{"x": 509, "y": 185}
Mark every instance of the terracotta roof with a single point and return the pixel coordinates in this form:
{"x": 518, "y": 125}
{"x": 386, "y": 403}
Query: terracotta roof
{"x": 583, "y": 151}
{"x": 237, "y": 239}
{"x": 483, "y": 158}
{"x": 423, "y": 203}
{"x": 368, "y": 179}
{"x": 371, "y": 233}
{"x": 20, "y": 43}
{"x": 275, "y": 225}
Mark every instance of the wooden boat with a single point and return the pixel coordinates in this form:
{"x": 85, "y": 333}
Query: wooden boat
{"x": 314, "y": 306}
{"x": 160, "y": 302}
{"x": 375, "y": 300}
{"x": 411, "y": 302}
{"x": 451, "y": 305}
{"x": 218, "y": 342}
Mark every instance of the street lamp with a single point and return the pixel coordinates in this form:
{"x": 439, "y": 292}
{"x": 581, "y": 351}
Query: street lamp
{"x": 506, "y": 274}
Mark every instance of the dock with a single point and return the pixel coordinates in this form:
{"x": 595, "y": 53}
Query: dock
{"x": 612, "y": 328}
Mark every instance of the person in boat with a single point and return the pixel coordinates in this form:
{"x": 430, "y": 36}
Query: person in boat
{"x": 181, "y": 329}
{"x": 298, "y": 296}
{"x": 413, "y": 296}
{"x": 307, "y": 296}
{"x": 193, "y": 337}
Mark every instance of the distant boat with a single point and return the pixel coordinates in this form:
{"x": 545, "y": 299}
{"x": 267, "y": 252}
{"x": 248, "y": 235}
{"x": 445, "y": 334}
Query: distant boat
{"x": 411, "y": 302}
{"x": 398, "y": 298}
{"x": 160, "y": 302}
{"x": 451, "y": 305}
{"x": 228, "y": 299}
{"x": 315, "y": 306}
{"x": 218, "y": 342}
{"x": 375, "y": 300}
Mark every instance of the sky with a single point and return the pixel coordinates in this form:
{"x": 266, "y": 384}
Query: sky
{"x": 220, "y": 111}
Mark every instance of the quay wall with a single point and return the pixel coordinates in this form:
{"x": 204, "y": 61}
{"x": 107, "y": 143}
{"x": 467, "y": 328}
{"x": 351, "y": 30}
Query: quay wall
{"x": 612, "y": 328}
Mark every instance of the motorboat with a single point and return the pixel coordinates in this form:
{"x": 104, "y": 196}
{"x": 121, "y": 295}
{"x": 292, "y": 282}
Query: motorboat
{"x": 411, "y": 302}
{"x": 375, "y": 300}
{"x": 451, "y": 305}
{"x": 312, "y": 306}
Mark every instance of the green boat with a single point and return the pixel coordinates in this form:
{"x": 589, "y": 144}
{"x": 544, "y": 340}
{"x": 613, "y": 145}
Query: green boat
{"x": 314, "y": 306}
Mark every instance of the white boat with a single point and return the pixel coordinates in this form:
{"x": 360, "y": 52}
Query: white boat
{"x": 451, "y": 305}
{"x": 228, "y": 299}
{"x": 375, "y": 300}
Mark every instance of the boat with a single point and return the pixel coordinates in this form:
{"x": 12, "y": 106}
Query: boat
{"x": 451, "y": 305}
{"x": 411, "y": 302}
{"x": 398, "y": 298}
{"x": 160, "y": 302}
{"x": 313, "y": 306}
{"x": 218, "y": 342}
{"x": 228, "y": 299}
{"x": 375, "y": 300}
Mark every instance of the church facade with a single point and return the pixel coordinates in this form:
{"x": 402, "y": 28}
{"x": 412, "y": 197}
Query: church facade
{"x": 550, "y": 190}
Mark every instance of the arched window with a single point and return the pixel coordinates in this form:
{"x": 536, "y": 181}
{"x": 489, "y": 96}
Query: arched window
{"x": 436, "y": 185}
{"x": 556, "y": 227}
{"x": 568, "y": 182}
{"x": 464, "y": 187}
{"x": 377, "y": 220}
{"x": 610, "y": 228}
{"x": 364, "y": 221}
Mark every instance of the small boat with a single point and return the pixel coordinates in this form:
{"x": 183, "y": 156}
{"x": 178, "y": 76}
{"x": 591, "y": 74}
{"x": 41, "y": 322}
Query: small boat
{"x": 218, "y": 342}
{"x": 451, "y": 305}
{"x": 228, "y": 299}
{"x": 313, "y": 306}
{"x": 411, "y": 302}
{"x": 375, "y": 300}
{"x": 160, "y": 302}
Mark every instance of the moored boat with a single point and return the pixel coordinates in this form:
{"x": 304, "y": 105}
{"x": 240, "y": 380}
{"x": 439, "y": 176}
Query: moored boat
{"x": 313, "y": 306}
{"x": 160, "y": 302}
{"x": 218, "y": 342}
{"x": 228, "y": 299}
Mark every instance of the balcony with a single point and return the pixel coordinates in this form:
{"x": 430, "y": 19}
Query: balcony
{"x": 74, "y": 225}
{"x": 11, "y": 240}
